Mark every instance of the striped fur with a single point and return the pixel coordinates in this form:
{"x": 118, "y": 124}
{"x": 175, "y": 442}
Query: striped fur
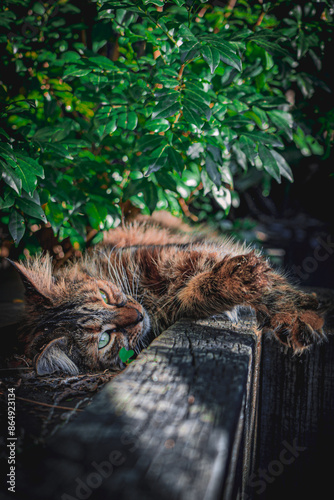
{"x": 150, "y": 278}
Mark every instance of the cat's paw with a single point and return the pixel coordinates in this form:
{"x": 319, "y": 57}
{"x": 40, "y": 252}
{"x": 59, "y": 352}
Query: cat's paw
{"x": 297, "y": 330}
{"x": 246, "y": 276}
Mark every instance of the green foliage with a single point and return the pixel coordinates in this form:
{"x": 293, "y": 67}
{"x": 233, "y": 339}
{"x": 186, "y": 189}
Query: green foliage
{"x": 125, "y": 355}
{"x": 150, "y": 101}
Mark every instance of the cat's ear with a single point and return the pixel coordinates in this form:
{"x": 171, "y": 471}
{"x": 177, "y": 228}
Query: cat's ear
{"x": 33, "y": 292}
{"x": 54, "y": 359}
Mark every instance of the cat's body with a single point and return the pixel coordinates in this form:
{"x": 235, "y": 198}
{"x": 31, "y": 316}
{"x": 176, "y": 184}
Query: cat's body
{"x": 141, "y": 280}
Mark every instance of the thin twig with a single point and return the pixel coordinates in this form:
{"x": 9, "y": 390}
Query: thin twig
{"x": 186, "y": 210}
{"x": 179, "y": 76}
{"x": 159, "y": 26}
{"x": 229, "y": 8}
{"x": 48, "y": 405}
{"x": 259, "y": 21}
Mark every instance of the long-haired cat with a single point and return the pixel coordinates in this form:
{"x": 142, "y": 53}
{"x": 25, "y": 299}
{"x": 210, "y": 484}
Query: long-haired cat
{"x": 142, "y": 279}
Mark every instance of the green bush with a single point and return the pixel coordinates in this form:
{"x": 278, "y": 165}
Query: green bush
{"x": 153, "y": 102}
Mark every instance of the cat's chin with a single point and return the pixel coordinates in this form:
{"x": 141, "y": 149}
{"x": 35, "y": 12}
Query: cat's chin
{"x": 146, "y": 324}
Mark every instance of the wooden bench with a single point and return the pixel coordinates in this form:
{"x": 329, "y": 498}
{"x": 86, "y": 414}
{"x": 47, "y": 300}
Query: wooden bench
{"x": 209, "y": 411}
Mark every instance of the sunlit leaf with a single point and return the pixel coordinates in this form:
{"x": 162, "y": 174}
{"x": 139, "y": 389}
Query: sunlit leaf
{"x": 30, "y": 207}
{"x": 212, "y": 56}
{"x": 269, "y": 162}
{"x": 283, "y": 166}
{"x": 10, "y": 176}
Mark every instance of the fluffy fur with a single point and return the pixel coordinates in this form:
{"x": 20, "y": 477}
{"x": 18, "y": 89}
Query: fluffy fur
{"x": 139, "y": 281}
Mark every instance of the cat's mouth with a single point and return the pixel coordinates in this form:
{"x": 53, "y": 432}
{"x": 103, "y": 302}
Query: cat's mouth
{"x": 135, "y": 343}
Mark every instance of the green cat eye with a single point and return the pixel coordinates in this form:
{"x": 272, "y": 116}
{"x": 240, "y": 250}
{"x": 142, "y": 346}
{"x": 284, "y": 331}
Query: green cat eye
{"x": 104, "y": 339}
{"x": 104, "y": 296}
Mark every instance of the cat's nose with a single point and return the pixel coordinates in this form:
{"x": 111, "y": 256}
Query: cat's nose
{"x": 140, "y": 317}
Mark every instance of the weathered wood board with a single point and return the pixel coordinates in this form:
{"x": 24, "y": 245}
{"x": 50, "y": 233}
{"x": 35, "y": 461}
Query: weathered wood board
{"x": 178, "y": 423}
{"x": 204, "y": 413}
{"x": 296, "y": 423}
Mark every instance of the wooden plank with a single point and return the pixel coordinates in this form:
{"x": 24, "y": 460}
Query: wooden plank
{"x": 296, "y": 431}
{"x": 178, "y": 423}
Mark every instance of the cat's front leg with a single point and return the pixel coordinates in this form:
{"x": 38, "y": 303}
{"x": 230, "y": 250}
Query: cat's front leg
{"x": 291, "y": 316}
{"x": 232, "y": 281}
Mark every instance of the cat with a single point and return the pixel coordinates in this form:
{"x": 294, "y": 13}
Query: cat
{"x": 138, "y": 282}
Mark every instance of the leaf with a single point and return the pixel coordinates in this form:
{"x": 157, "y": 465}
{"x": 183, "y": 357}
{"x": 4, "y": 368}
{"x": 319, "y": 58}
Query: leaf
{"x": 212, "y": 170}
{"x": 108, "y": 128}
{"x": 150, "y": 194}
{"x": 222, "y": 197}
{"x": 197, "y": 106}
{"x": 10, "y": 177}
{"x": 16, "y": 226}
{"x": 29, "y": 207}
{"x": 54, "y": 215}
{"x": 189, "y": 50}
{"x": 127, "y": 120}
{"x": 179, "y": 3}
{"x": 282, "y": 120}
{"x": 125, "y": 354}
{"x": 70, "y": 56}
{"x": 196, "y": 93}
{"x": 269, "y": 162}
{"x": 2, "y": 132}
{"x": 167, "y": 106}
{"x": 27, "y": 169}
{"x": 165, "y": 180}
{"x": 259, "y": 116}
{"x": 240, "y": 156}
{"x": 104, "y": 63}
{"x": 96, "y": 215}
{"x": 227, "y": 54}
{"x": 30, "y": 164}
{"x": 207, "y": 182}
{"x": 236, "y": 121}
{"x": 150, "y": 142}
{"x": 8, "y": 201}
{"x": 156, "y": 163}
{"x": 158, "y": 125}
{"x": 248, "y": 147}
{"x": 184, "y": 32}
{"x": 58, "y": 149}
{"x": 46, "y": 133}
{"x": 272, "y": 48}
{"x": 264, "y": 138}
{"x": 190, "y": 114}
{"x": 283, "y": 166}
{"x": 269, "y": 102}
{"x": 175, "y": 160}
{"x": 7, "y": 151}
{"x": 211, "y": 56}
{"x": 75, "y": 70}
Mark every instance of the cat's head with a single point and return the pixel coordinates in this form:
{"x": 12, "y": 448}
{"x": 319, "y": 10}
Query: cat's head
{"x": 76, "y": 322}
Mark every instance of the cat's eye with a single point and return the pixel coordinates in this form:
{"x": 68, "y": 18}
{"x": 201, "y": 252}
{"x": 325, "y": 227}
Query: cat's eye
{"x": 104, "y": 339}
{"x": 104, "y": 296}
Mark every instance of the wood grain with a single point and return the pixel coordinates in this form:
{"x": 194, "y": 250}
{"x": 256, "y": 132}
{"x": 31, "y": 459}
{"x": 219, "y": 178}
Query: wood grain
{"x": 179, "y": 422}
{"x": 297, "y": 415}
